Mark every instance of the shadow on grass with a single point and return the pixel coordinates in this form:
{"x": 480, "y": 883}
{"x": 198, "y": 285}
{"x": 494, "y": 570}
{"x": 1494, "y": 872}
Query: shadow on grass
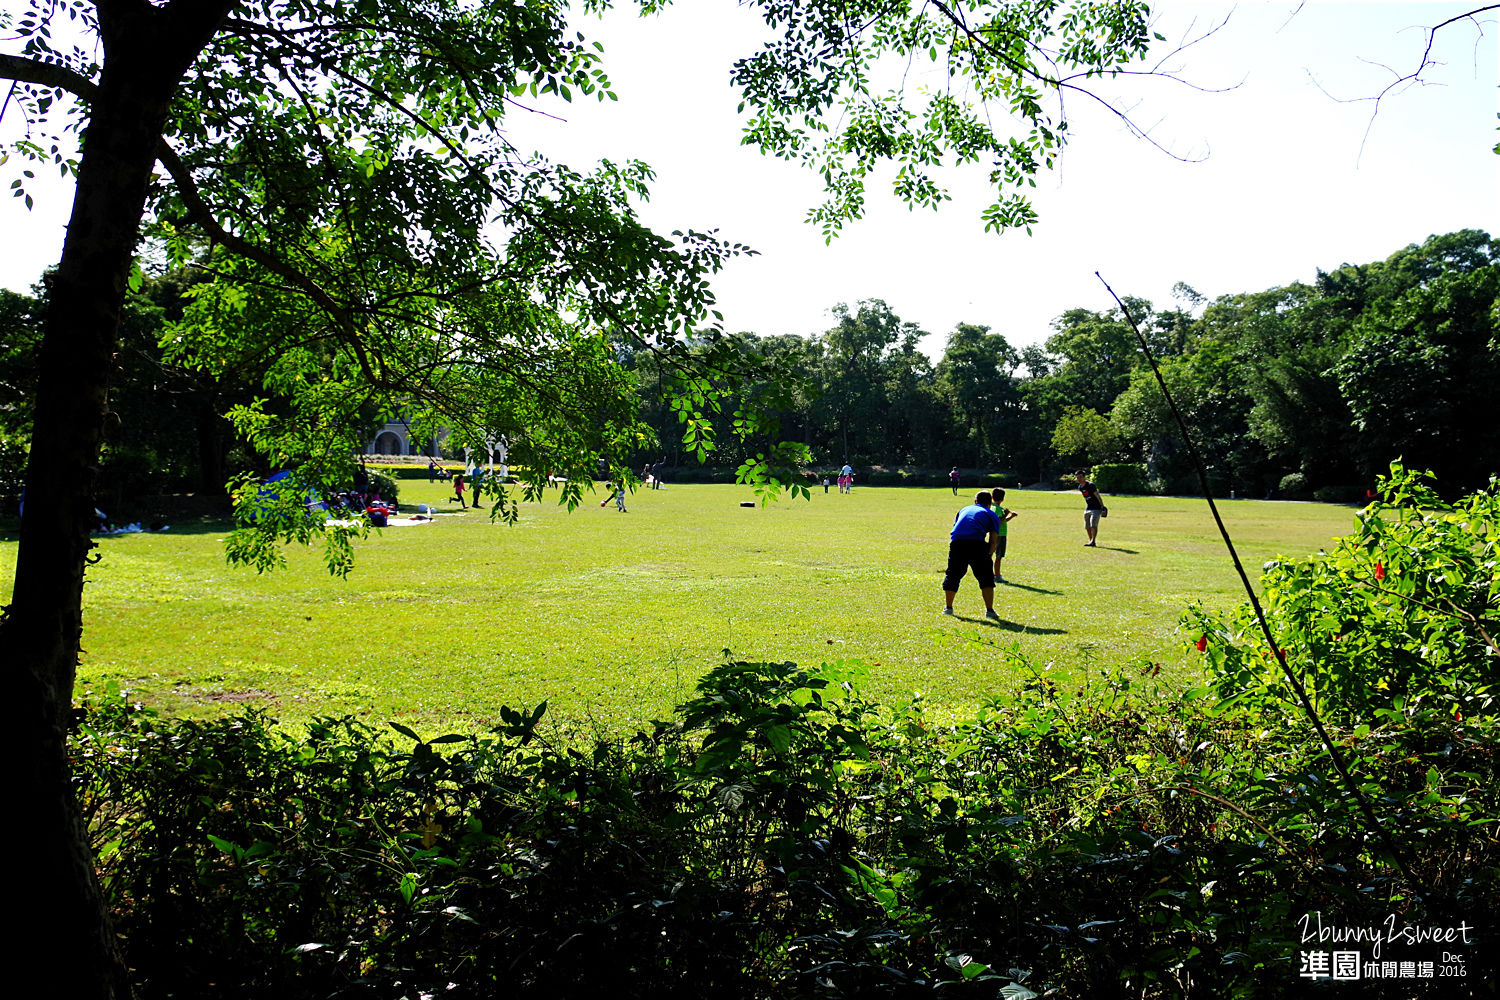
{"x": 1010, "y": 626}
{"x": 1115, "y": 548}
{"x": 1022, "y": 586}
{"x": 185, "y": 526}
{"x": 191, "y": 527}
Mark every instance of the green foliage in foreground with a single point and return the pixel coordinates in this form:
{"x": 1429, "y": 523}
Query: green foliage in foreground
{"x": 1402, "y": 615}
{"x": 780, "y": 836}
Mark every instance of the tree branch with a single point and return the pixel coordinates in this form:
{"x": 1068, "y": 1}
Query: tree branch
{"x": 201, "y": 214}
{"x": 46, "y": 74}
{"x": 1405, "y": 79}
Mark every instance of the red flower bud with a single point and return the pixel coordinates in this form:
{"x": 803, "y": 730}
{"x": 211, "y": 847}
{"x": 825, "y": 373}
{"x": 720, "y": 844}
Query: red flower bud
{"x": 1380, "y": 571}
{"x": 1202, "y": 643}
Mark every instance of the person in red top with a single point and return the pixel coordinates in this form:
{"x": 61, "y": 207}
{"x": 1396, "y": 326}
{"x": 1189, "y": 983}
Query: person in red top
{"x": 1093, "y": 507}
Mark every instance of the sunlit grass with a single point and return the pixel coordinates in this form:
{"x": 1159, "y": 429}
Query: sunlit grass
{"x": 612, "y": 617}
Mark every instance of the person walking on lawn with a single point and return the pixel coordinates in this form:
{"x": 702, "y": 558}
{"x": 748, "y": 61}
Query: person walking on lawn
{"x": 971, "y": 546}
{"x": 1093, "y": 507}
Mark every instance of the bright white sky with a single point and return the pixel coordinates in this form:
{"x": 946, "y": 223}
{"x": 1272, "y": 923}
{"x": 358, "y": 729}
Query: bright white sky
{"x": 1290, "y": 182}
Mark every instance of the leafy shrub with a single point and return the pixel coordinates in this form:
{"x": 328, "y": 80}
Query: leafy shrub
{"x": 781, "y": 836}
{"x": 1124, "y": 477}
{"x": 1397, "y": 617}
{"x": 1294, "y": 486}
{"x": 384, "y": 484}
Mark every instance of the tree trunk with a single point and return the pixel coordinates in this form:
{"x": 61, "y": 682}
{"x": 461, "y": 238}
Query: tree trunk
{"x": 147, "y": 49}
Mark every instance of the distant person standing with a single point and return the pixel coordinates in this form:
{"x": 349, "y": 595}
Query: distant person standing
{"x": 953, "y": 480}
{"x": 997, "y": 497}
{"x": 846, "y": 478}
{"x": 971, "y": 546}
{"x": 1093, "y": 507}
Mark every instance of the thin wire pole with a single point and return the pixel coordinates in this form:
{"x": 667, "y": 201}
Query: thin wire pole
{"x": 1295, "y": 681}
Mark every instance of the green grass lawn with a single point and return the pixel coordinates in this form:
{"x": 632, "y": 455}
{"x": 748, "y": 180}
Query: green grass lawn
{"x": 612, "y": 617}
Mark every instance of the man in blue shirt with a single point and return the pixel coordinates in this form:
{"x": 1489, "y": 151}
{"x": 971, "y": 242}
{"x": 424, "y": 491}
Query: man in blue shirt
{"x": 971, "y": 545}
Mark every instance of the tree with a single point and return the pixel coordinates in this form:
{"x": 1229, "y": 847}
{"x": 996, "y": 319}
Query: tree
{"x": 917, "y": 420}
{"x": 20, "y": 333}
{"x": 1422, "y": 364}
{"x": 1208, "y": 389}
{"x": 1085, "y": 436}
{"x": 978, "y": 376}
{"x": 342, "y": 159}
{"x": 835, "y": 92}
{"x": 1098, "y": 352}
{"x": 854, "y": 383}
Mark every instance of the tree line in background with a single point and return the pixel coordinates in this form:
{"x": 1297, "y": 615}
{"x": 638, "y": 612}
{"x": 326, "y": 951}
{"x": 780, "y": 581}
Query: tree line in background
{"x": 1301, "y": 390}
{"x": 1293, "y": 391}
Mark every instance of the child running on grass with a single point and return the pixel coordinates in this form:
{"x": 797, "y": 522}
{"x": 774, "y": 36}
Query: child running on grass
{"x": 616, "y": 492}
{"x": 997, "y": 496}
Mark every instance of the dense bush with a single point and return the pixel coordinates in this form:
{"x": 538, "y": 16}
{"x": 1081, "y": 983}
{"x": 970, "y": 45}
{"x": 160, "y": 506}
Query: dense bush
{"x": 1124, "y": 477}
{"x": 1397, "y": 617}
{"x": 781, "y": 837}
{"x": 384, "y": 484}
{"x": 1294, "y": 486}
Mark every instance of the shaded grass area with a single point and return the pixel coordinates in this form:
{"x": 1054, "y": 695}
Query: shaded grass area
{"x": 613, "y": 617}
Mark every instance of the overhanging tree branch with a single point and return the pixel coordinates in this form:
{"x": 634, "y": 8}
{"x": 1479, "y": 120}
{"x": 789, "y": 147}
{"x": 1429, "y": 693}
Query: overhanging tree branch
{"x": 200, "y": 214}
{"x": 46, "y": 74}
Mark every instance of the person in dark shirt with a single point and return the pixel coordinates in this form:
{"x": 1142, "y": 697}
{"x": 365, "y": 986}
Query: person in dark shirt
{"x": 971, "y": 546}
{"x": 1093, "y": 507}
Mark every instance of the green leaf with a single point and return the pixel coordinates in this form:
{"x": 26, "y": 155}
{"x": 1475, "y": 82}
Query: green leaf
{"x": 398, "y": 727}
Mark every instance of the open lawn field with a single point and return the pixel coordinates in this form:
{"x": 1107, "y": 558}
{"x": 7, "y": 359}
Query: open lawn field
{"x": 613, "y": 617}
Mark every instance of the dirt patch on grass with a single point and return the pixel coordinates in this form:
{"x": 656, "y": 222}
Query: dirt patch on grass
{"x": 233, "y": 697}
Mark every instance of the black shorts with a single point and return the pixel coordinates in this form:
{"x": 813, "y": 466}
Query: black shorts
{"x": 969, "y": 554}
{"x": 1000, "y": 549}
